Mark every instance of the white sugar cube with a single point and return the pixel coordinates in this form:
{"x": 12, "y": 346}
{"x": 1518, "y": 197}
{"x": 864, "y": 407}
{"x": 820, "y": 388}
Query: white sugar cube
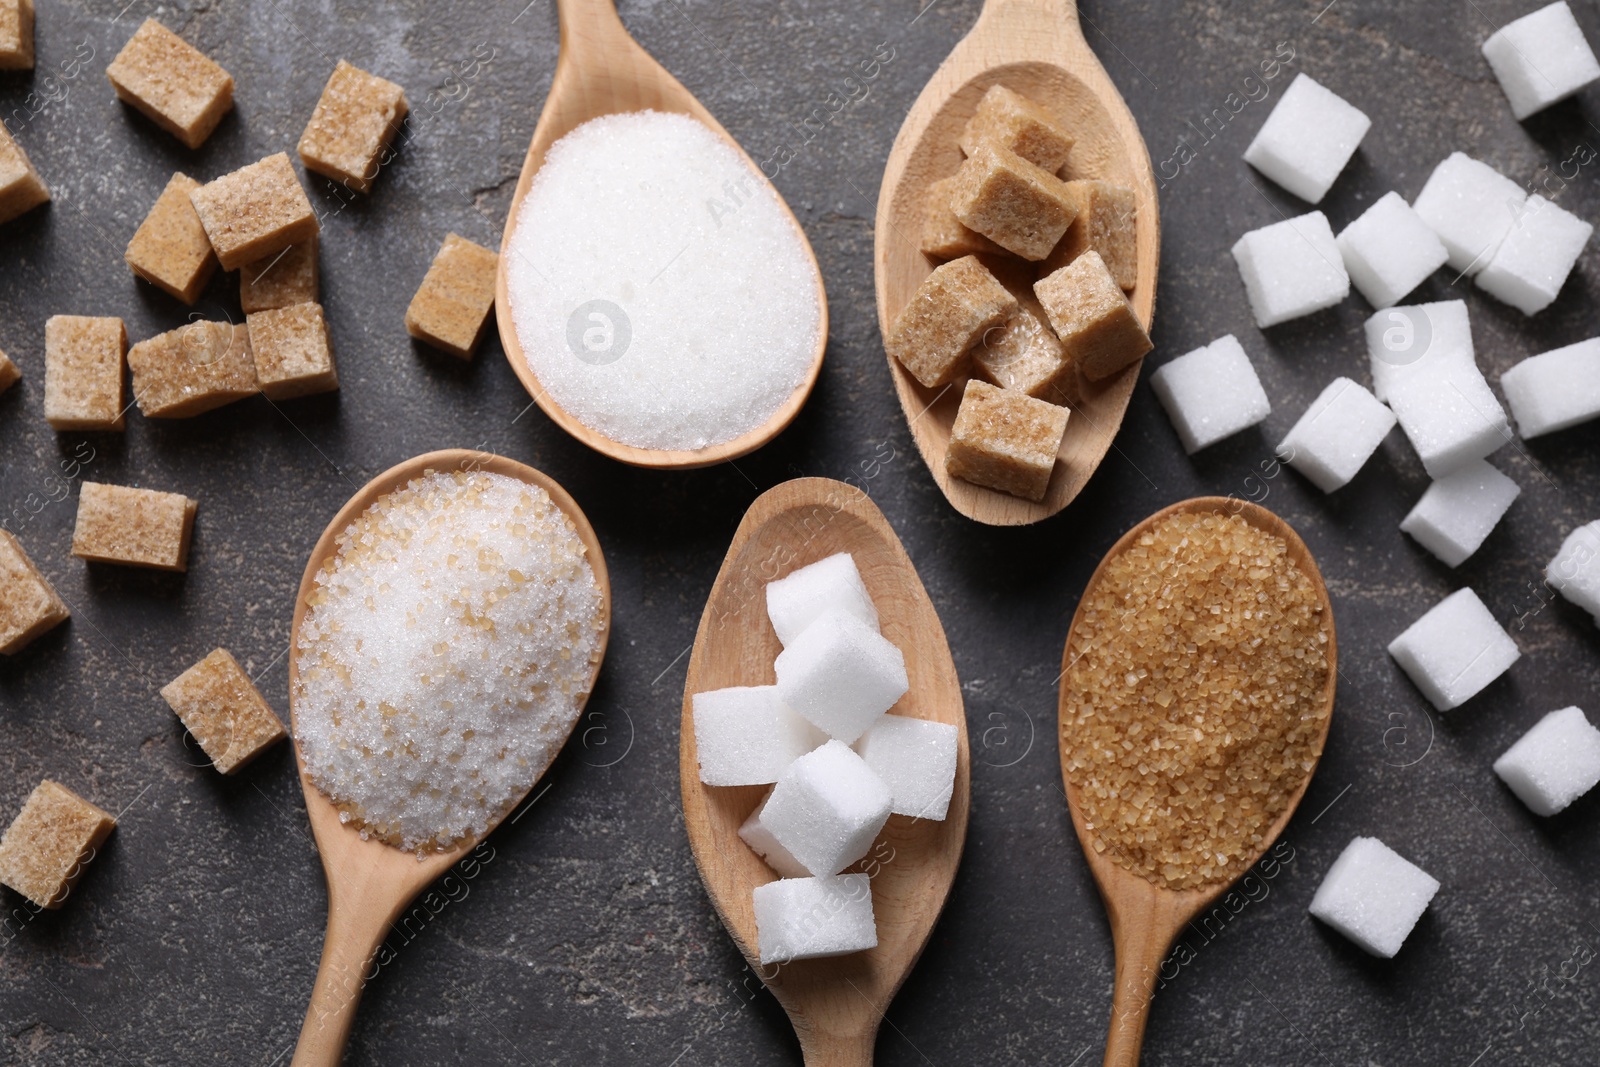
{"x": 1451, "y": 417}
{"x": 1554, "y": 763}
{"x": 1389, "y": 251}
{"x": 746, "y": 735}
{"x": 827, "y": 808}
{"x": 1307, "y": 139}
{"x": 830, "y": 584}
{"x": 1458, "y": 511}
{"x": 1339, "y": 432}
{"x": 1554, "y": 390}
{"x": 1455, "y": 650}
{"x": 1574, "y": 573}
{"x": 807, "y": 918}
{"x": 1471, "y": 206}
{"x": 1417, "y": 339}
{"x": 1541, "y": 58}
{"x": 1531, "y": 265}
{"x": 1211, "y": 393}
{"x": 765, "y": 845}
{"x": 1374, "y": 896}
{"x": 1291, "y": 268}
{"x": 841, "y": 674}
{"x": 916, "y": 759}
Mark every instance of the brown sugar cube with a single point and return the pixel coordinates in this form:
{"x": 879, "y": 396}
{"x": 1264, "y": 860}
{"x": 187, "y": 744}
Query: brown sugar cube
{"x": 255, "y": 211}
{"x": 946, "y": 316}
{"x": 192, "y": 369}
{"x": 291, "y": 276}
{"x": 170, "y": 249}
{"x": 135, "y": 527}
{"x": 29, "y": 605}
{"x": 451, "y": 308}
{"x": 1005, "y": 440}
{"x": 21, "y": 188}
{"x": 1093, "y": 318}
{"x": 943, "y": 236}
{"x": 83, "y": 372}
{"x": 16, "y": 34}
{"x": 50, "y": 844}
{"x": 9, "y": 374}
{"x": 1023, "y": 208}
{"x": 354, "y": 121}
{"x": 293, "y": 356}
{"x": 224, "y": 711}
{"x": 1011, "y": 121}
{"x": 1026, "y": 356}
{"x": 1105, "y": 224}
{"x": 172, "y": 82}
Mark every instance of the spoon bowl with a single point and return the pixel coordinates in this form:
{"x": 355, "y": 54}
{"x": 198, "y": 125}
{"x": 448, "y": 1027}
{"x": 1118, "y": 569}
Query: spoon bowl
{"x": 369, "y": 882}
{"x": 837, "y": 1003}
{"x": 1146, "y": 918}
{"x": 602, "y": 70}
{"x": 1036, "y": 48}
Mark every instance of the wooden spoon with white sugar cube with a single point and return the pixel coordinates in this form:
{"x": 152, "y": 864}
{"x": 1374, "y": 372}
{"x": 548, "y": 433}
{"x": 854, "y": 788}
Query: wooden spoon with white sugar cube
{"x": 837, "y": 1003}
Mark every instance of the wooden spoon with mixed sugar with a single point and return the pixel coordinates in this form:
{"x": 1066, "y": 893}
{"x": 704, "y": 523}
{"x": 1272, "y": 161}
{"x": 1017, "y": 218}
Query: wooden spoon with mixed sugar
{"x": 370, "y": 882}
{"x": 1036, "y": 48}
{"x": 1147, "y": 913}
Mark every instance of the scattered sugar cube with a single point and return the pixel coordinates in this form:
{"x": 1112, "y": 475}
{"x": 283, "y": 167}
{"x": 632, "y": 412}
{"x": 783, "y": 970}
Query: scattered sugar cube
{"x": 1089, "y": 312}
{"x": 841, "y": 674}
{"x": 10, "y": 373}
{"x": 134, "y": 527}
{"x": 451, "y": 308}
{"x": 746, "y": 735}
{"x": 1541, "y": 58}
{"x": 763, "y": 844}
{"x": 1026, "y": 356}
{"x": 1021, "y": 207}
{"x": 1211, "y": 393}
{"x": 1471, "y": 206}
{"x": 808, "y": 918}
{"x": 292, "y": 352}
{"x": 83, "y": 372}
{"x": 831, "y": 584}
{"x": 172, "y": 83}
{"x": 945, "y": 317}
{"x": 1307, "y": 139}
{"x": 1005, "y": 440}
{"x": 1105, "y": 222}
{"x": 1374, "y": 896}
{"x": 193, "y": 369}
{"x": 356, "y": 117}
{"x": 916, "y": 758}
{"x": 1418, "y": 339}
{"x": 1554, "y": 763}
{"x": 1454, "y": 650}
{"x": 1389, "y": 250}
{"x": 170, "y": 249}
{"x": 255, "y": 211}
{"x": 1011, "y": 121}
{"x": 1573, "y": 572}
{"x": 943, "y": 236}
{"x": 1531, "y": 265}
{"x": 29, "y": 606}
{"x": 1450, "y": 416}
{"x": 51, "y": 843}
{"x": 827, "y": 808}
{"x": 224, "y": 711}
{"x": 16, "y": 34}
{"x": 1291, "y": 268}
{"x": 21, "y": 188}
{"x": 1458, "y": 511}
{"x": 1336, "y": 436}
{"x": 1555, "y": 389}
{"x": 291, "y": 275}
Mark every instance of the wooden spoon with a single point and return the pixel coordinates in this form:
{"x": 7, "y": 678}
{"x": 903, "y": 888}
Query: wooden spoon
{"x": 369, "y": 882}
{"x": 1146, "y": 918}
{"x": 1036, "y": 48}
{"x": 835, "y": 1004}
{"x": 601, "y": 70}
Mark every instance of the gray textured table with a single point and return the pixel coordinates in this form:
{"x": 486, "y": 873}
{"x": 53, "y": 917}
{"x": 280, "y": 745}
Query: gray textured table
{"x": 587, "y": 938}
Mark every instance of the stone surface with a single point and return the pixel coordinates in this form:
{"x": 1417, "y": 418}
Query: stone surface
{"x": 584, "y": 936}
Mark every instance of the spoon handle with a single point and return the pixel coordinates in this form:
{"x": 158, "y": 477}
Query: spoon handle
{"x": 348, "y": 948}
{"x": 1142, "y": 940}
{"x": 839, "y": 1050}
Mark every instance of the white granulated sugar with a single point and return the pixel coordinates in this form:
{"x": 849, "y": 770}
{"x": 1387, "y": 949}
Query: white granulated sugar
{"x": 661, "y": 292}
{"x": 444, "y": 656}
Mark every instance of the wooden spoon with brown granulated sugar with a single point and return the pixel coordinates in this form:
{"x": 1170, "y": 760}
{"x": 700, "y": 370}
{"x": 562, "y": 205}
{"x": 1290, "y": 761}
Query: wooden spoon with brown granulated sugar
{"x": 1186, "y": 753}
